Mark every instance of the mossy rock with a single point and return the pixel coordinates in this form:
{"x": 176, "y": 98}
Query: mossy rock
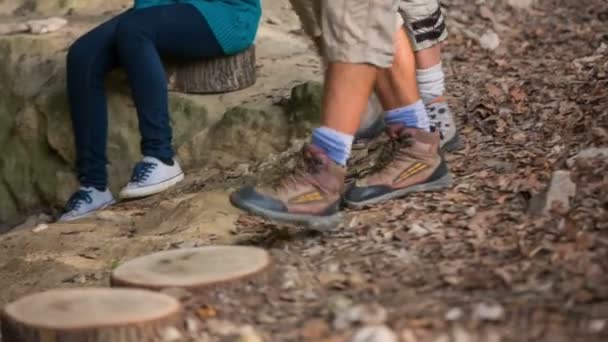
{"x": 245, "y": 134}
{"x": 303, "y": 108}
{"x": 36, "y": 137}
{"x": 8, "y": 207}
{"x": 305, "y": 102}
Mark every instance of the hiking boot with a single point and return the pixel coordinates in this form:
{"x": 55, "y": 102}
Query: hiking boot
{"x": 411, "y": 162}
{"x": 310, "y": 195}
{"x": 372, "y": 131}
{"x": 442, "y": 118}
{"x": 84, "y": 202}
{"x": 151, "y": 176}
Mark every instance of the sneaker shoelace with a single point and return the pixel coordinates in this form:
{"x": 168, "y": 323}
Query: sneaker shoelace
{"x": 142, "y": 171}
{"x": 77, "y": 199}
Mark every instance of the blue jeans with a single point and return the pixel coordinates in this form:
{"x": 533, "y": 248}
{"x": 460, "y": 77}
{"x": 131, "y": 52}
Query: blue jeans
{"x": 134, "y": 40}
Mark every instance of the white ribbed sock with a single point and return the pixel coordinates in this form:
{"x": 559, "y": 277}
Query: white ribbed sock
{"x": 431, "y": 82}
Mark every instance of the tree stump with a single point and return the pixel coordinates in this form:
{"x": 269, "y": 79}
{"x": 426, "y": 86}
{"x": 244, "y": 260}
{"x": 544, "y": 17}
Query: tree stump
{"x": 192, "y": 268}
{"x": 216, "y": 75}
{"x": 92, "y": 315}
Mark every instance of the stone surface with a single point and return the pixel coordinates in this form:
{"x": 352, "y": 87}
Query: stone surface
{"x": 61, "y": 7}
{"x": 379, "y": 333}
{"x": 489, "y": 312}
{"x": 36, "y": 135}
{"x": 589, "y": 153}
{"x": 556, "y": 197}
{"x": 48, "y": 25}
{"x": 524, "y": 4}
{"x": 12, "y": 28}
{"x": 489, "y": 40}
{"x": 367, "y": 314}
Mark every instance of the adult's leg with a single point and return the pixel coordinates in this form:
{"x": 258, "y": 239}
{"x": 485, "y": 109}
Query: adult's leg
{"x": 178, "y": 31}
{"x": 425, "y": 24}
{"x": 357, "y": 39}
{"x": 415, "y": 163}
{"x": 89, "y": 59}
{"x": 396, "y": 86}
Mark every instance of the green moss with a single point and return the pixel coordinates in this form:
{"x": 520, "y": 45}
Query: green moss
{"x": 305, "y": 102}
{"x": 187, "y": 118}
{"x": 44, "y": 167}
{"x": 9, "y": 103}
{"x": 59, "y": 132}
{"x": 8, "y": 209}
{"x": 17, "y": 174}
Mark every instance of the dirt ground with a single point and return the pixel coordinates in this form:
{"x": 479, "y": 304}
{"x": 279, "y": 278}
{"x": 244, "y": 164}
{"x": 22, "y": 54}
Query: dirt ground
{"x": 467, "y": 264}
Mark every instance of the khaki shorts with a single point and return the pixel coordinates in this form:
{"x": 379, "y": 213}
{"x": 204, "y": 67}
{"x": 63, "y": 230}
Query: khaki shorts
{"x": 351, "y": 31}
{"x": 424, "y": 22}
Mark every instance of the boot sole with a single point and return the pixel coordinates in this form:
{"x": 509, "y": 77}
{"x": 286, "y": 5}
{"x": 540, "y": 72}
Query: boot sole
{"x": 151, "y": 189}
{"x": 112, "y": 202}
{"x": 453, "y": 144}
{"x": 439, "y": 184}
{"x": 320, "y": 223}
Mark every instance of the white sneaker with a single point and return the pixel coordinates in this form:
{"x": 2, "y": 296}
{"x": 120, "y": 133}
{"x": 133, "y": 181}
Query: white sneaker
{"x": 85, "y": 202}
{"x": 151, "y": 176}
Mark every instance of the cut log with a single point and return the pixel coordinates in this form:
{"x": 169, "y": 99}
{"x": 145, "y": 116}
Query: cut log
{"x": 192, "y": 268}
{"x": 92, "y": 315}
{"x": 216, "y": 75}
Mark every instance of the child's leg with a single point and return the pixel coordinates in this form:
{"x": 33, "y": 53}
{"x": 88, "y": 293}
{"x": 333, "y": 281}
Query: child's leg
{"x": 89, "y": 59}
{"x": 177, "y": 31}
{"x": 425, "y": 23}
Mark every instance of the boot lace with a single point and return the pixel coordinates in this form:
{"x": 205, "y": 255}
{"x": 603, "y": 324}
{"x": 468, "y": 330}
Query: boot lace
{"x": 392, "y": 150}
{"x": 307, "y": 165}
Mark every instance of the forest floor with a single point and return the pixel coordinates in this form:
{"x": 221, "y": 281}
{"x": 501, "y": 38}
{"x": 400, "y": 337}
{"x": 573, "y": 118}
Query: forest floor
{"x": 472, "y": 263}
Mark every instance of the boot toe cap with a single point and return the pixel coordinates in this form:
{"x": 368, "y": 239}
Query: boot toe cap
{"x": 248, "y": 198}
{"x": 362, "y": 194}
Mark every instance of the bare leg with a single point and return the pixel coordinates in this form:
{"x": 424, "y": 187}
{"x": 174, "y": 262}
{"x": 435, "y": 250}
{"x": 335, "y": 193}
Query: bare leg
{"x": 396, "y": 87}
{"x": 347, "y": 89}
{"x": 428, "y": 57}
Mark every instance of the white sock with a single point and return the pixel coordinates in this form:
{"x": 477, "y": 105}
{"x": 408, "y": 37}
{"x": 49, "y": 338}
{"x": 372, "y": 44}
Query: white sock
{"x": 431, "y": 82}
{"x": 414, "y": 116}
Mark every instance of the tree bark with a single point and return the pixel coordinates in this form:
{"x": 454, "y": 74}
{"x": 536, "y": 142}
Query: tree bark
{"x": 192, "y": 268}
{"x": 93, "y": 315}
{"x": 216, "y": 75}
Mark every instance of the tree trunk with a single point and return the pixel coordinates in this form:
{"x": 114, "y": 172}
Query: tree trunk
{"x": 192, "y": 268}
{"x": 93, "y": 315}
{"x": 216, "y": 75}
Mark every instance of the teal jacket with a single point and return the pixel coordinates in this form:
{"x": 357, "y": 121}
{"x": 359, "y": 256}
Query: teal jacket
{"x": 234, "y": 22}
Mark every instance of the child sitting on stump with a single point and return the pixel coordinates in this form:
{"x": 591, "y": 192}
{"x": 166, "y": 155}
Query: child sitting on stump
{"x": 135, "y": 40}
